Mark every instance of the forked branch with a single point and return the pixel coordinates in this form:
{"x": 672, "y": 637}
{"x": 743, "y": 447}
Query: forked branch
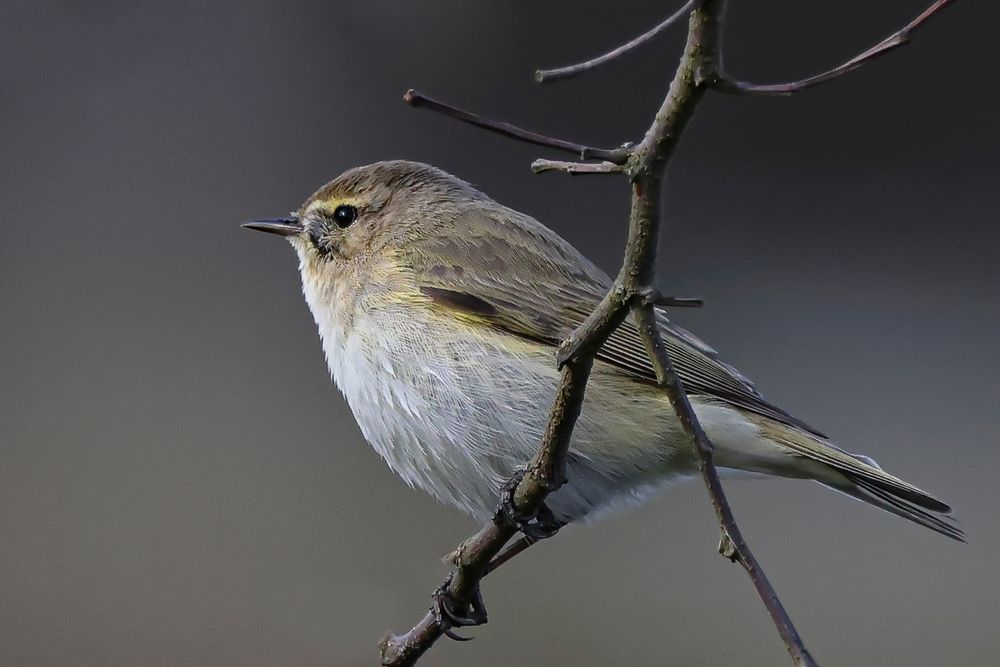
{"x": 633, "y": 292}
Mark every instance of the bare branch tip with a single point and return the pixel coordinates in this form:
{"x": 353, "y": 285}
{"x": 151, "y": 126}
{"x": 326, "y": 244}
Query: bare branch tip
{"x": 556, "y": 73}
{"x": 724, "y": 83}
{"x": 679, "y": 302}
{"x": 412, "y": 97}
{"x": 417, "y": 99}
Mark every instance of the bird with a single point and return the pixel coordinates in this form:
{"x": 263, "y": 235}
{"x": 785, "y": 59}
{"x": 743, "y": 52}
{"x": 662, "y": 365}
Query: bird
{"x": 440, "y": 310}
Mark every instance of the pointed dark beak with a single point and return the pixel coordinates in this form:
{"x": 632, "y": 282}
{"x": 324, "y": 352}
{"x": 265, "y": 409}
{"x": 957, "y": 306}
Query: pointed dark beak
{"x": 279, "y": 226}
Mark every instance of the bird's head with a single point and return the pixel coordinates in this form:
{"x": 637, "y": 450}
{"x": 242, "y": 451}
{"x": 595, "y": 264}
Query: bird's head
{"x": 368, "y": 210}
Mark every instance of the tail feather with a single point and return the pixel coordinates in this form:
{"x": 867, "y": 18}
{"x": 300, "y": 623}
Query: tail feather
{"x": 861, "y": 477}
{"x": 864, "y": 468}
{"x": 874, "y": 476}
{"x": 872, "y": 494}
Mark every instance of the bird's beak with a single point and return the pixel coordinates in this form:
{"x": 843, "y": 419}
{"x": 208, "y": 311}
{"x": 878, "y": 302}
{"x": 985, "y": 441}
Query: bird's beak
{"x": 279, "y": 226}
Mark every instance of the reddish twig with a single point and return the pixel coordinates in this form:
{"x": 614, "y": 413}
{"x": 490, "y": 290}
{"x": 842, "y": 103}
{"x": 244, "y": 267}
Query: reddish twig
{"x": 546, "y": 75}
{"x": 897, "y": 39}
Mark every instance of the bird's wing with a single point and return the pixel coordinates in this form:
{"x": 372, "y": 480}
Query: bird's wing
{"x": 507, "y": 270}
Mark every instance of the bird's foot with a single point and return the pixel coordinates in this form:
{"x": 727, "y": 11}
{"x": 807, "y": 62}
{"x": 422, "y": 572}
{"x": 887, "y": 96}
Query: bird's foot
{"x": 449, "y": 614}
{"x": 535, "y": 527}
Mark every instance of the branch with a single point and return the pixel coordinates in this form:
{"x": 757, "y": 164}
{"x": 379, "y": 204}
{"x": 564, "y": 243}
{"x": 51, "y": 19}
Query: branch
{"x": 546, "y": 75}
{"x": 702, "y": 54}
{"x": 899, "y": 38}
{"x": 573, "y": 168}
{"x": 632, "y": 292}
{"x": 645, "y": 164}
{"x": 732, "y": 545}
{"x": 479, "y": 555}
{"x": 417, "y": 99}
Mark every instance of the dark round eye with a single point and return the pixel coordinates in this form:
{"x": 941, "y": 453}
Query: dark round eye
{"x": 344, "y": 215}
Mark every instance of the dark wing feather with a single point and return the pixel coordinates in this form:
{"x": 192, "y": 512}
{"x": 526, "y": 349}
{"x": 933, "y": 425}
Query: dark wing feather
{"x": 488, "y": 266}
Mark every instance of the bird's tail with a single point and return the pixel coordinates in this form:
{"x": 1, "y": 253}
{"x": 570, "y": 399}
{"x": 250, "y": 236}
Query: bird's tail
{"x": 912, "y": 504}
{"x": 862, "y": 478}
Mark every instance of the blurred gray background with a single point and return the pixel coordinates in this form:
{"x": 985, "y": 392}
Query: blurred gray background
{"x": 180, "y": 483}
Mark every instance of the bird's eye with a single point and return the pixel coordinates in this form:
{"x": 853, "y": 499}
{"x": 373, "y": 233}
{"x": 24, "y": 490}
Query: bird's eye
{"x": 344, "y": 215}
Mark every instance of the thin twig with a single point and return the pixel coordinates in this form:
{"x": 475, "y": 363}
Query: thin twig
{"x": 513, "y": 549}
{"x": 615, "y": 155}
{"x": 679, "y": 302}
{"x": 732, "y": 545}
{"x": 546, "y": 75}
{"x": 652, "y": 297}
{"x": 899, "y": 38}
{"x": 573, "y": 168}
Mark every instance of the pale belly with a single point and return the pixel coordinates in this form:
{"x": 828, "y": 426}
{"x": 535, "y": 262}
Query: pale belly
{"x": 457, "y": 414}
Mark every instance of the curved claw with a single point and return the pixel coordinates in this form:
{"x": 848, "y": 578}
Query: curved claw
{"x": 451, "y": 634}
{"x": 446, "y": 616}
{"x": 457, "y": 620}
{"x": 538, "y": 527}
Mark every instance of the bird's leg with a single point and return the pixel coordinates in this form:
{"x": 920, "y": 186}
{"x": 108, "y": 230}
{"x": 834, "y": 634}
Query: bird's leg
{"x": 449, "y": 614}
{"x": 535, "y": 527}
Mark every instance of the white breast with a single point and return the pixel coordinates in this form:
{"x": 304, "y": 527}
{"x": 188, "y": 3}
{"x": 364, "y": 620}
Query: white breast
{"x": 426, "y": 402}
{"x": 456, "y": 414}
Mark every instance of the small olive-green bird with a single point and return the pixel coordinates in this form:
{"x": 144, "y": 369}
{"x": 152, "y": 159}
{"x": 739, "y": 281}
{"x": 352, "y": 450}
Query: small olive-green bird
{"x": 440, "y": 311}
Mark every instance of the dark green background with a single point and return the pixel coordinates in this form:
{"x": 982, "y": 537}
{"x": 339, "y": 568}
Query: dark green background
{"x": 180, "y": 483}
